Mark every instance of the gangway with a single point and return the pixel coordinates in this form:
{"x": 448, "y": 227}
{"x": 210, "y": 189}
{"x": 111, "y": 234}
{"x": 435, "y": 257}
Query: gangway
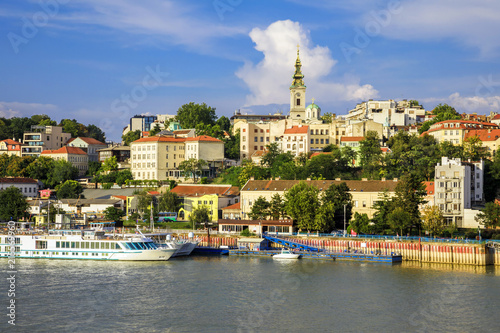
{"x": 293, "y": 245}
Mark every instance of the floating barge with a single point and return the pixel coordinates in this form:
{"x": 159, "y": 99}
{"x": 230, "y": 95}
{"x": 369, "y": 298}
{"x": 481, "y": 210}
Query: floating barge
{"x": 394, "y": 258}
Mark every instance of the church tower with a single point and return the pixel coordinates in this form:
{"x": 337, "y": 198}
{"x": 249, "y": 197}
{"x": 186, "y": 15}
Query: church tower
{"x": 298, "y": 93}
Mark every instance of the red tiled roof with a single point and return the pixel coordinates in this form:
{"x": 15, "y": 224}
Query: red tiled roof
{"x": 160, "y": 139}
{"x": 65, "y": 150}
{"x": 258, "y": 153}
{"x": 145, "y": 134}
{"x": 352, "y": 138}
{"x": 297, "y": 130}
{"x": 24, "y": 180}
{"x": 483, "y": 134}
{"x": 153, "y": 192}
{"x": 464, "y": 124}
{"x": 122, "y": 197}
{"x": 70, "y": 140}
{"x": 429, "y": 188}
{"x": 203, "y": 138}
{"x": 10, "y": 143}
{"x": 200, "y": 190}
{"x": 233, "y": 206}
{"x": 90, "y": 141}
{"x": 318, "y": 153}
{"x": 496, "y": 117}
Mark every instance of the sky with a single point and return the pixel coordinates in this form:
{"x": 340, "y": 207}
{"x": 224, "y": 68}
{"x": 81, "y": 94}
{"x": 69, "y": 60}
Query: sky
{"x": 103, "y": 61}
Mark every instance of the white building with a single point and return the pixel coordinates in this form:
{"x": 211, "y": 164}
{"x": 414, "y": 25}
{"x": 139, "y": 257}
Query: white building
{"x": 458, "y": 186}
{"x": 29, "y": 187}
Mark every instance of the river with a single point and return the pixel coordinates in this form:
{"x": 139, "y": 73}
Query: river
{"x": 235, "y": 294}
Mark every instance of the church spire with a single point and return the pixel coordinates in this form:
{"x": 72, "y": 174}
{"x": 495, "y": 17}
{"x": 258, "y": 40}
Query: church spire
{"x": 298, "y": 76}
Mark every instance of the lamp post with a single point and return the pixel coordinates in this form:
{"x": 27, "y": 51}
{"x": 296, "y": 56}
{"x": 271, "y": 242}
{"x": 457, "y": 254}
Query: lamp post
{"x": 344, "y": 221}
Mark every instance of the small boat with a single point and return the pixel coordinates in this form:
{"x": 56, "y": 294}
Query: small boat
{"x": 286, "y": 254}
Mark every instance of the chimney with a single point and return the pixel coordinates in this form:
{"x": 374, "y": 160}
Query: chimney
{"x": 383, "y": 179}
{"x": 308, "y": 179}
{"x": 364, "y": 179}
{"x": 395, "y": 179}
{"x": 338, "y": 179}
{"x": 252, "y": 178}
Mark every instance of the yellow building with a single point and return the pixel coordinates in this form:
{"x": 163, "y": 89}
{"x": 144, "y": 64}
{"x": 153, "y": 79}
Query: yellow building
{"x": 10, "y": 147}
{"x": 454, "y": 131}
{"x": 74, "y": 155}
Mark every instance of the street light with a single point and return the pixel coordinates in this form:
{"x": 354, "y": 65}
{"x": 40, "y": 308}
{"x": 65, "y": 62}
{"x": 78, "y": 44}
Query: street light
{"x": 344, "y": 221}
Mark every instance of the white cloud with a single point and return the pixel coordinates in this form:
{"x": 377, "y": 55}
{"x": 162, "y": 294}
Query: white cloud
{"x": 270, "y": 79}
{"x": 480, "y": 104}
{"x": 19, "y": 109}
{"x": 176, "y": 22}
{"x": 470, "y": 23}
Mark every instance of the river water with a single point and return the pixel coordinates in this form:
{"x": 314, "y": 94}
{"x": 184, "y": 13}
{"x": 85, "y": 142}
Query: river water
{"x": 236, "y": 294}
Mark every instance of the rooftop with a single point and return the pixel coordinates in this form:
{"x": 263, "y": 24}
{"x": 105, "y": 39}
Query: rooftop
{"x": 354, "y": 185}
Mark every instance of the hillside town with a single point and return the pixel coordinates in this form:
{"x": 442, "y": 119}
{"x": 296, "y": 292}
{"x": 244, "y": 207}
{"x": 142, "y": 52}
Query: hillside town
{"x": 386, "y": 166}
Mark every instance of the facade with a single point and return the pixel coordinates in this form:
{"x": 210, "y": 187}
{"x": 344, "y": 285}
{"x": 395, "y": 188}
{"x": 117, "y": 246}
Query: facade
{"x": 454, "y": 131}
{"x": 74, "y": 155}
{"x": 388, "y": 112}
{"x": 122, "y": 154}
{"x": 89, "y": 206}
{"x": 296, "y": 140}
{"x": 88, "y": 145}
{"x": 157, "y": 157}
{"x": 364, "y": 192}
{"x": 215, "y": 197}
{"x": 142, "y": 123}
{"x": 29, "y": 187}
{"x": 258, "y": 227}
{"x": 42, "y": 138}
{"x": 10, "y": 147}
{"x": 458, "y": 186}
{"x": 490, "y": 139}
{"x": 206, "y": 148}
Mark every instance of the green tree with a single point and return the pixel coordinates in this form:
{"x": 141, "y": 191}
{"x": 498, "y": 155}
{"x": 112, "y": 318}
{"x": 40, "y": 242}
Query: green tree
{"x": 338, "y": 196}
{"x": 490, "y": 215}
{"x": 383, "y": 207}
{"x": 155, "y": 130}
{"x": 441, "y": 112}
{"x": 96, "y": 133}
{"x": 410, "y": 194}
{"x": 40, "y": 169}
{"x": 370, "y": 155}
{"x": 113, "y": 214}
{"x": 277, "y": 207}
{"x": 192, "y": 167}
{"x": 232, "y": 146}
{"x": 302, "y": 204}
{"x": 131, "y": 137}
{"x": 273, "y": 150}
{"x": 260, "y": 209}
{"x": 73, "y": 127}
{"x": 13, "y": 205}
{"x": 93, "y": 168}
{"x": 18, "y": 126}
{"x": 400, "y": 220}
{"x": 144, "y": 202}
{"x": 361, "y": 224}
{"x": 123, "y": 176}
{"x": 433, "y": 220}
{"x": 70, "y": 189}
{"x": 224, "y": 123}
{"x": 109, "y": 164}
{"x": 199, "y": 216}
{"x": 189, "y": 115}
{"x": 327, "y": 117}
{"x": 248, "y": 170}
{"x": 473, "y": 149}
{"x": 62, "y": 171}
{"x": 168, "y": 202}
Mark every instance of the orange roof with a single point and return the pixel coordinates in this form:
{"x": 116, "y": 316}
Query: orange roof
{"x": 429, "y": 188}
{"x": 160, "y": 139}
{"x": 258, "y": 153}
{"x": 200, "y": 190}
{"x": 352, "y": 138}
{"x": 496, "y": 117}
{"x": 10, "y": 142}
{"x": 145, "y": 134}
{"x": 70, "y": 140}
{"x": 297, "y": 130}
{"x": 233, "y": 206}
{"x": 483, "y": 134}
{"x": 203, "y": 138}
{"x": 153, "y": 192}
{"x": 464, "y": 124}
{"x": 65, "y": 150}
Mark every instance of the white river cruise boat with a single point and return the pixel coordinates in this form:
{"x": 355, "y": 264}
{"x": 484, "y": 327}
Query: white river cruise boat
{"x": 85, "y": 244}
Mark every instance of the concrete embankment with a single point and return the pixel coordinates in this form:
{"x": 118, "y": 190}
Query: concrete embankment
{"x": 459, "y": 253}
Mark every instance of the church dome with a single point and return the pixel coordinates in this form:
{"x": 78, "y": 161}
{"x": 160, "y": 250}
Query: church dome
{"x": 313, "y": 106}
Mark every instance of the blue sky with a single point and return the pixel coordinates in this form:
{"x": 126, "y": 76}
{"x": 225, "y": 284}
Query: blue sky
{"x": 103, "y": 61}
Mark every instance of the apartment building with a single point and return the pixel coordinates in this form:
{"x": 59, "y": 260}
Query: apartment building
{"x": 388, "y": 112}
{"x": 458, "y": 186}
{"x": 42, "y": 138}
{"x": 490, "y": 139}
{"x": 157, "y": 157}
{"x": 28, "y": 186}
{"x": 365, "y": 193}
{"x": 88, "y": 145}
{"x": 454, "y": 130}
{"x": 74, "y": 155}
{"x": 10, "y": 147}
{"x": 296, "y": 140}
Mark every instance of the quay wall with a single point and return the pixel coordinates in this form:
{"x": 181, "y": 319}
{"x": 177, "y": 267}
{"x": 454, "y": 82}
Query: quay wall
{"x": 463, "y": 254}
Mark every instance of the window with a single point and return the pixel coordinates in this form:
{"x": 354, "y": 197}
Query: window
{"x": 267, "y": 139}
{"x": 244, "y": 138}
{"x": 262, "y": 131}
{"x": 254, "y": 147}
{"x": 261, "y": 139}
{"x": 298, "y": 101}
{"x": 255, "y": 139}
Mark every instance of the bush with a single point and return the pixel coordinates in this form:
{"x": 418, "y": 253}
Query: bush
{"x": 246, "y": 233}
{"x": 204, "y": 180}
{"x": 107, "y": 186}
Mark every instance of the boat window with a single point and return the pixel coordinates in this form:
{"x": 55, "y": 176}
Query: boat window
{"x": 141, "y": 245}
{"x": 77, "y": 245}
{"x": 73, "y": 245}
{"x": 58, "y": 244}
{"x": 117, "y": 246}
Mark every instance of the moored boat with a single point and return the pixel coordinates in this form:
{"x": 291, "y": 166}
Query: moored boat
{"x": 84, "y": 244}
{"x": 286, "y": 254}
